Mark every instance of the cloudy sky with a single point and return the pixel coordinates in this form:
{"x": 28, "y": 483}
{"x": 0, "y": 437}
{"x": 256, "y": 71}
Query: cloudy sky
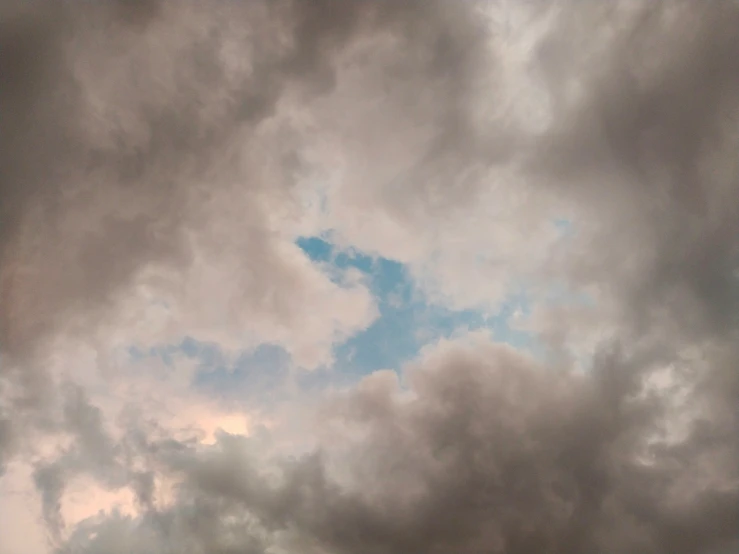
{"x": 369, "y": 277}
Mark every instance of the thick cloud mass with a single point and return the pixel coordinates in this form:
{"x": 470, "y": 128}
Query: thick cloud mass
{"x": 128, "y": 119}
{"x": 167, "y": 146}
{"x": 481, "y": 452}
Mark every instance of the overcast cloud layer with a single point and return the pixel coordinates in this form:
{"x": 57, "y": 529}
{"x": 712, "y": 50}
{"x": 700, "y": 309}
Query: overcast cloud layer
{"x": 161, "y": 157}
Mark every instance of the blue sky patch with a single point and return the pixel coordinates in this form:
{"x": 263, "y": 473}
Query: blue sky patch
{"x": 407, "y": 321}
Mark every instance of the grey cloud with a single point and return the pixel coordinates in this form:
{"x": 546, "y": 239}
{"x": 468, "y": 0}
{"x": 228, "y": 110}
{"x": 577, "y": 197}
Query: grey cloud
{"x": 50, "y": 480}
{"x": 125, "y": 114}
{"x": 492, "y": 454}
{"x": 6, "y": 441}
{"x": 93, "y": 452}
{"x": 648, "y": 142}
{"x": 646, "y": 151}
{"x": 483, "y": 452}
{"x": 126, "y": 123}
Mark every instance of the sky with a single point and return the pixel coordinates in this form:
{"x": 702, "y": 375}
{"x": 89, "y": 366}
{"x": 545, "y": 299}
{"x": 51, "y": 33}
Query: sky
{"x": 323, "y": 277}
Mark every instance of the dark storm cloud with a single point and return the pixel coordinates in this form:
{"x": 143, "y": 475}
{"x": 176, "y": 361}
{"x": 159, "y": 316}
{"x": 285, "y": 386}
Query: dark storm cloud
{"x": 483, "y": 452}
{"x": 648, "y": 148}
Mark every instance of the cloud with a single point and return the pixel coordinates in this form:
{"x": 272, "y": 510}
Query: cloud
{"x": 129, "y": 130}
{"x": 479, "y": 451}
{"x": 161, "y": 159}
{"x": 647, "y": 141}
